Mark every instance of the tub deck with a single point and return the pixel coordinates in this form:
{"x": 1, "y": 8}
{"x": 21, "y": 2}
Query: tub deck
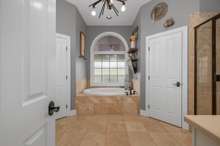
{"x": 92, "y": 105}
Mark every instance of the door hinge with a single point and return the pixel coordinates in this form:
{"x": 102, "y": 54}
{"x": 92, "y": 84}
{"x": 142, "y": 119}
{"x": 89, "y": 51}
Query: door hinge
{"x": 66, "y": 77}
{"x": 148, "y": 106}
{"x": 148, "y": 77}
{"x": 149, "y": 49}
{"x": 66, "y": 48}
{"x": 66, "y": 106}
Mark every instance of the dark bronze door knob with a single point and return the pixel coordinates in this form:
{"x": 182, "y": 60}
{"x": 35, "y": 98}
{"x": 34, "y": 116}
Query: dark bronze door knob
{"x": 52, "y": 109}
{"x": 178, "y": 84}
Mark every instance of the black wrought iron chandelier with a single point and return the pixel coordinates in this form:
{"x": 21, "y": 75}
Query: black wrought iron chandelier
{"x": 109, "y": 4}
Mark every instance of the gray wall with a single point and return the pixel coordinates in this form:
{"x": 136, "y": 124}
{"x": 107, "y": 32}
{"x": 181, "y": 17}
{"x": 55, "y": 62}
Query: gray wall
{"x": 93, "y": 31}
{"x": 69, "y": 22}
{"x": 210, "y": 5}
{"x": 178, "y": 9}
{"x": 80, "y": 62}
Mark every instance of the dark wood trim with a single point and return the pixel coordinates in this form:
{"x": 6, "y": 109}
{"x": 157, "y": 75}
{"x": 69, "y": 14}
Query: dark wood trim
{"x": 206, "y": 21}
{"x": 195, "y": 71}
{"x": 214, "y": 67}
{"x": 217, "y": 78}
{"x": 217, "y": 75}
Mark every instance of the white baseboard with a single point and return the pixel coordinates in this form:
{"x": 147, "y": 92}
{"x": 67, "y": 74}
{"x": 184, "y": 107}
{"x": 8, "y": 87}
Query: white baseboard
{"x": 143, "y": 113}
{"x": 185, "y": 125}
{"x": 72, "y": 113}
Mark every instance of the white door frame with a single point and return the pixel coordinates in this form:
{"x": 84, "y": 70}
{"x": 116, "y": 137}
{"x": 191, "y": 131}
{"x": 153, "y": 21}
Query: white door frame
{"x": 184, "y": 72}
{"x": 67, "y": 38}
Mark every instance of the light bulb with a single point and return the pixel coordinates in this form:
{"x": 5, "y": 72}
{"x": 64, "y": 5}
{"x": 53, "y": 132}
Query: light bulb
{"x": 123, "y": 8}
{"x": 37, "y": 5}
{"x": 111, "y": 1}
{"x": 93, "y": 13}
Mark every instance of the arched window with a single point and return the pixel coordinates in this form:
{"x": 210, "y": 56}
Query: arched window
{"x": 108, "y": 62}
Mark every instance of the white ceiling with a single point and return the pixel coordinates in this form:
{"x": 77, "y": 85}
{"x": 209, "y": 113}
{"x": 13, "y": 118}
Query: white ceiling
{"x": 124, "y": 18}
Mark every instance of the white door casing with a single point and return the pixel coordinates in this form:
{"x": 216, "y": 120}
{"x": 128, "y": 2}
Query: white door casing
{"x": 165, "y": 67}
{"x": 63, "y": 78}
{"x": 27, "y": 66}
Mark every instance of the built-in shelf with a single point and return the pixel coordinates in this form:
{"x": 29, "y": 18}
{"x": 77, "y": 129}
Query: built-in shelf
{"x": 133, "y": 54}
{"x": 134, "y": 60}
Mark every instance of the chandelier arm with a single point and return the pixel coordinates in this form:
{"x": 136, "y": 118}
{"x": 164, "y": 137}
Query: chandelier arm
{"x": 115, "y": 10}
{"x": 102, "y": 10}
{"x": 122, "y": 1}
{"x": 109, "y": 4}
{"x": 95, "y": 3}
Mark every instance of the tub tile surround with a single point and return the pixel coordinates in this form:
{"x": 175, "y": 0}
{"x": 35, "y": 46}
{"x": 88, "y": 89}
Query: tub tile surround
{"x": 92, "y": 105}
{"x": 81, "y": 85}
{"x": 118, "y": 130}
{"x": 84, "y": 84}
{"x": 136, "y": 86}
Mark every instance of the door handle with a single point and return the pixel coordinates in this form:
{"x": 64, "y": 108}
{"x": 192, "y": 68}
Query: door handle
{"x": 52, "y": 109}
{"x": 178, "y": 84}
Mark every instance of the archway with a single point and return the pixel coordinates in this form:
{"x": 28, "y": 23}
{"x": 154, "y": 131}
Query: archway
{"x": 93, "y": 51}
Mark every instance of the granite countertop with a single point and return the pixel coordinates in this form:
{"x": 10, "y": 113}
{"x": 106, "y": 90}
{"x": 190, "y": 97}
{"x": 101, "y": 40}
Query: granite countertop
{"x": 210, "y": 124}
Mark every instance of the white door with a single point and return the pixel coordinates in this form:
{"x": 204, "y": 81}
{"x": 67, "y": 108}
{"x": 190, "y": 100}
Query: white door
{"x": 27, "y": 64}
{"x": 62, "y": 75}
{"x": 164, "y": 76}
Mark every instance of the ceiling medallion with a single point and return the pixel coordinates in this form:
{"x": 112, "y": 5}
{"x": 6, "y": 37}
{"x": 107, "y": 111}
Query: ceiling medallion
{"x": 109, "y": 4}
{"x": 109, "y": 17}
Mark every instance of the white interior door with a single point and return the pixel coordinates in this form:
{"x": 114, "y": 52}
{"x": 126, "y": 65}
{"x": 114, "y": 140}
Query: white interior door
{"x": 165, "y": 76}
{"x": 27, "y": 64}
{"x": 62, "y": 75}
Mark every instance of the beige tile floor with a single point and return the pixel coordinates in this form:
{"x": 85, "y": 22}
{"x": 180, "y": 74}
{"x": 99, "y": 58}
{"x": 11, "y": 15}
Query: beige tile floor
{"x": 118, "y": 130}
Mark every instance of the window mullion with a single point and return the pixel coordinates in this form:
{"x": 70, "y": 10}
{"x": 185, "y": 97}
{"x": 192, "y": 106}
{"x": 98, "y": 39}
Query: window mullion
{"x": 112, "y": 77}
{"x": 109, "y": 79}
{"x": 102, "y": 69}
{"x": 117, "y": 68}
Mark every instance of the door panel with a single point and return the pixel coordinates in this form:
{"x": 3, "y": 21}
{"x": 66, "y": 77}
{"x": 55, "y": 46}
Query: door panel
{"x": 27, "y": 60}
{"x": 35, "y": 58}
{"x": 62, "y": 76}
{"x": 38, "y": 138}
{"x": 156, "y": 79}
{"x": 165, "y": 71}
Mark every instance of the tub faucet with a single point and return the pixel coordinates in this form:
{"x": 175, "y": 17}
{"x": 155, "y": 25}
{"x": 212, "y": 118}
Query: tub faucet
{"x": 130, "y": 92}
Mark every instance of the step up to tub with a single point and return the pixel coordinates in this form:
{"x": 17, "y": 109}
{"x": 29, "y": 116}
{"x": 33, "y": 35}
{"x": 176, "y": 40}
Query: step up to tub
{"x": 90, "y": 105}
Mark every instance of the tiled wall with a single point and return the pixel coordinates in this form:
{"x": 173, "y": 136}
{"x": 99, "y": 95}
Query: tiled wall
{"x": 204, "y": 69}
{"x": 194, "y": 20}
{"x": 83, "y": 84}
{"x": 136, "y": 84}
{"x": 92, "y": 105}
{"x": 80, "y": 86}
